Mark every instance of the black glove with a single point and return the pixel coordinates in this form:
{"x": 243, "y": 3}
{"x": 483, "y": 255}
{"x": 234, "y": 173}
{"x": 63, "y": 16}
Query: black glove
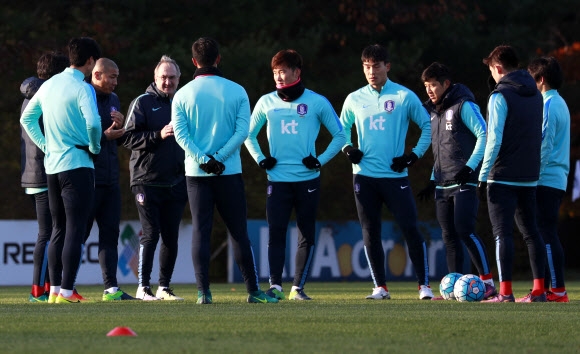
{"x": 353, "y": 154}
{"x": 482, "y": 191}
{"x": 213, "y": 166}
{"x": 463, "y": 175}
{"x": 402, "y": 162}
{"x": 86, "y": 148}
{"x": 268, "y": 163}
{"x": 427, "y": 192}
{"x": 311, "y": 162}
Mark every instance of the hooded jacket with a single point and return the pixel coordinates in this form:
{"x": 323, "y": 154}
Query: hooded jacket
{"x": 518, "y": 159}
{"x": 32, "y": 173}
{"x": 154, "y": 161}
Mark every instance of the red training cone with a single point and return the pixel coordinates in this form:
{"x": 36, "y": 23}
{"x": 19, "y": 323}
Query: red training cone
{"x": 121, "y": 331}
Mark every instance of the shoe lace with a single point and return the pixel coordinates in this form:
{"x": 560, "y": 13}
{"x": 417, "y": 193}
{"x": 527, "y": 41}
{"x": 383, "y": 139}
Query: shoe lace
{"x": 148, "y": 291}
{"x": 169, "y": 291}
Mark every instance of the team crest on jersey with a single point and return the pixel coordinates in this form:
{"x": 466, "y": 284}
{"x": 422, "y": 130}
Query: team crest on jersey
{"x": 389, "y": 106}
{"x": 449, "y": 115}
{"x": 140, "y": 198}
{"x": 302, "y": 109}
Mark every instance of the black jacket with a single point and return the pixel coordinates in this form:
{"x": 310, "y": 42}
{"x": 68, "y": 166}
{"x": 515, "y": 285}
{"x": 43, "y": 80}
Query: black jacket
{"x": 518, "y": 159}
{"x": 154, "y": 161}
{"x": 451, "y": 140}
{"x": 107, "y": 162}
{"x": 32, "y": 173}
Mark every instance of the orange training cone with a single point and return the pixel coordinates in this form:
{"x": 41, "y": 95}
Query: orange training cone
{"x": 121, "y": 331}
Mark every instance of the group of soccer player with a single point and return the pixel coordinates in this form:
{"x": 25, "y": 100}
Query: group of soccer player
{"x": 185, "y": 146}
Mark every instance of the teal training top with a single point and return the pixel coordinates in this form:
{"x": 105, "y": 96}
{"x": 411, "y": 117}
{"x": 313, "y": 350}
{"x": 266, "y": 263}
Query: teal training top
{"x": 69, "y": 109}
{"x": 555, "y": 163}
{"x": 292, "y": 129}
{"x": 210, "y": 116}
{"x": 382, "y": 121}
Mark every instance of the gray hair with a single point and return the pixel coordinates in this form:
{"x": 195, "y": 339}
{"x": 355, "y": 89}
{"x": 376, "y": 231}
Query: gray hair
{"x": 167, "y": 59}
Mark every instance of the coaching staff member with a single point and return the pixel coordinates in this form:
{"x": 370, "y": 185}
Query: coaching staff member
{"x": 157, "y": 178}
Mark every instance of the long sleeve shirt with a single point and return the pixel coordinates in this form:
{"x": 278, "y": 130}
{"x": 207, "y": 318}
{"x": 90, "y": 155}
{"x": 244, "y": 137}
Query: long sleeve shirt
{"x": 382, "y": 121}
{"x": 70, "y": 116}
{"x": 555, "y": 156}
{"x": 210, "y": 116}
{"x": 292, "y": 129}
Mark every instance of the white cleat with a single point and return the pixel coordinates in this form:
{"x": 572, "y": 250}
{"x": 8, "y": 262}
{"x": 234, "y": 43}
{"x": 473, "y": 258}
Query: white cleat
{"x": 379, "y": 293}
{"x": 144, "y": 293}
{"x": 425, "y": 292}
{"x": 167, "y": 294}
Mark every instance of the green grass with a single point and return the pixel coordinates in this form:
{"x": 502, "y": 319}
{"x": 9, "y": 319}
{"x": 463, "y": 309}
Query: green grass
{"x": 339, "y": 319}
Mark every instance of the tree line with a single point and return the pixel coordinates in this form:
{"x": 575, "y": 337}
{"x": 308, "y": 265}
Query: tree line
{"x": 330, "y": 35}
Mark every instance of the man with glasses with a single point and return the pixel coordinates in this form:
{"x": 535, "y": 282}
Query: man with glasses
{"x": 157, "y": 178}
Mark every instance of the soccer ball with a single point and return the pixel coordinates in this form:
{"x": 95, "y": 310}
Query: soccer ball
{"x": 447, "y": 284}
{"x": 469, "y": 288}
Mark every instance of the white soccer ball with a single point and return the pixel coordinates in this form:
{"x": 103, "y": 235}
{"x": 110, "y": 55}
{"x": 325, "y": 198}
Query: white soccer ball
{"x": 447, "y": 284}
{"x": 469, "y": 288}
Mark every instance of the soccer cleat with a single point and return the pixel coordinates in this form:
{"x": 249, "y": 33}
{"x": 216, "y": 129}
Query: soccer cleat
{"x": 298, "y": 294}
{"x": 501, "y": 298}
{"x": 425, "y": 292}
{"x": 489, "y": 291}
{"x": 52, "y": 298}
{"x": 119, "y": 295}
{"x": 379, "y": 293}
{"x": 273, "y": 292}
{"x": 67, "y": 300}
{"x": 144, "y": 293}
{"x": 260, "y": 297}
{"x": 437, "y": 298}
{"x": 79, "y": 297}
{"x": 204, "y": 297}
{"x": 41, "y": 298}
{"x": 532, "y": 298}
{"x": 167, "y": 294}
{"x": 551, "y": 297}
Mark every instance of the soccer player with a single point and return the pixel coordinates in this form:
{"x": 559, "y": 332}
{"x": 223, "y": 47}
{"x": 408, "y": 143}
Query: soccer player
{"x": 157, "y": 178}
{"x": 68, "y": 107}
{"x": 381, "y": 112}
{"x": 458, "y": 142}
{"x": 211, "y": 116}
{"x": 293, "y": 115}
{"x": 106, "y": 208}
{"x": 511, "y": 168}
{"x": 33, "y": 176}
{"x": 554, "y": 168}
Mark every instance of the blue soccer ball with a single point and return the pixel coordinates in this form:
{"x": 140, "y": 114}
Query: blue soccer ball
{"x": 469, "y": 288}
{"x": 447, "y": 284}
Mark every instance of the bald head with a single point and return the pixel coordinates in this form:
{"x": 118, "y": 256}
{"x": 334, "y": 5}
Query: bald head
{"x": 105, "y": 65}
{"x": 105, "y": 76}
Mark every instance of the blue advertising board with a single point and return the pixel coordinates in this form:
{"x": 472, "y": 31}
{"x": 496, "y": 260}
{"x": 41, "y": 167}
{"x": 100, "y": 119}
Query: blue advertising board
{"x": 339, "y": 253}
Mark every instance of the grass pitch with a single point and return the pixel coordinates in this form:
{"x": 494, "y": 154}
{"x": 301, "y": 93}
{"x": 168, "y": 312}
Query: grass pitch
{"x": 338, "y": 320}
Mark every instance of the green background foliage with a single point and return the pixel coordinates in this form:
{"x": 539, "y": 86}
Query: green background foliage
{"x": 330, "y": 35}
